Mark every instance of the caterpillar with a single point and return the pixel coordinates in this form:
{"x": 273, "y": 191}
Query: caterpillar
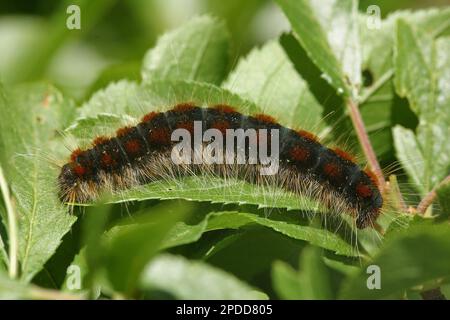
{"x": 144, "y": 153}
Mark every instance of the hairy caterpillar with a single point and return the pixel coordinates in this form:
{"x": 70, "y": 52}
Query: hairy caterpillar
{"x": 143, "y": 153}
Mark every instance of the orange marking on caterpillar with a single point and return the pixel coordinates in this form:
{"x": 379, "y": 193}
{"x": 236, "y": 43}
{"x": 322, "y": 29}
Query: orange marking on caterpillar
{"x": 221, "y": 125}
{"x": 107, "y": 160}
{"x": 188, "y": 125}
{"x": 372, "y": 176}
{"x": 79, "y": 170}
{"x": 75, "y": 153}
{"x": 224, "y": 108}
{"x": 123, "y": 131}
{"x": 299, "y": 154}
{"x": 344, "y": 155}
{"x": 363, "y": 190}
{"x": 100, "y": 140}
{"x": 132, "y": 146}
{"x": 308, "y": 135}
{"x": 331, "y": 169}
{"x": 149, "y": 116}
{"x": 160, "y": 135}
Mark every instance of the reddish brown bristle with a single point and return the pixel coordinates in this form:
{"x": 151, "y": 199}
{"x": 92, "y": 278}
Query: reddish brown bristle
{"x": 265, "y": 118}
{"x": 188, "y": 125}
{"x": 107, "y": 160}
{"x": 224, "y": 108}
{"x": 79, "y": 170}
{"x": 363, "y": 190}
{"x": 149, "y": 116}
{"x": 221, "y": 125}
{"x": 372, "y": 176}
{"x": 299, "y": 154}
{"x": 344, "y": 155}
{"x": 100, "y": 140}
{"x": 75, "y": 153}
{"x": 132, "y": 146}
{"x": 331, "y": 169}
{"x": 308, "y": 135}
{"x": 183, "y": 107}
{"x": 160, "y": 136}
{"x": 123, "y": 131}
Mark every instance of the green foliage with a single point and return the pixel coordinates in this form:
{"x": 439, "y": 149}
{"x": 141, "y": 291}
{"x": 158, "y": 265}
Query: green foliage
{"x": 144, "y": 235}
{"x": 330, "y": 37}
{"x": 32, "y": 115}
{"x": 207, "y": 238}
{"x": 268, "y": 78}
{"x": 286, "y": 224}
{"x": 197, "y": 51}
{"x": 186, "y": 279}
{"x": 310, "y": 283}
{"x": 422, "y": 72}
{"x": 412, "y": 257}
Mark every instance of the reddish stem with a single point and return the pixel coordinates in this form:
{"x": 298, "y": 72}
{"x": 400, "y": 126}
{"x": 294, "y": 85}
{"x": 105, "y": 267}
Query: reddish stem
{"x": 363, "y": 137}
{"x": 429, "y": 198}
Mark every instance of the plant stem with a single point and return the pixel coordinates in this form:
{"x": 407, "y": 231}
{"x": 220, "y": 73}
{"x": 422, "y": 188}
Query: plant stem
{"x": 12, "y": 226}
{"x": 361, "y": 132}
{"x": 429, "y": 198}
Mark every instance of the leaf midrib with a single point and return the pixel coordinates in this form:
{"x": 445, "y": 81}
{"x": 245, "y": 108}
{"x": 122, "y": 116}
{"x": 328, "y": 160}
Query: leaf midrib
{"x": 33, "y": 210}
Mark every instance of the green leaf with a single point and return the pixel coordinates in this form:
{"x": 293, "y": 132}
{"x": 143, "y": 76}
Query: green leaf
{"x": 316, "y": 236}
{"x": 31, "y": 116}
{"x": 410, "y": 155}
{"x": 182, "y": 233}
{"x": 86, "y": 129}
{"x": 268, "y": 78}
{"x": 340, "y": 266}
{"x": 197, "y": 51}
{"x": 378, "y": 44}
{"x": 252, "y": 246}
{"x": 119, "y": 98}
{"x": 216, "y": 190}
{"x": 286, "y": 281}
{"x": 18, "y": 290}
{"x": 286, "y": 223}
{"x": 186, "y": 279}
{"x": 309, "y": 283}
{"x": 129, "y": 248}
{"x": 422, "y": 68}
{"x": 127, "y": 99}
{"x": 329, "y": 33}
{"x": 11, "y": 289}
{"x": 410, "y": 257}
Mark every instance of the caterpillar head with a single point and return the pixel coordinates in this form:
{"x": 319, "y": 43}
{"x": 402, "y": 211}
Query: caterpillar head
{"x": 370, "y": 201}
{"x": 68, "y": 180}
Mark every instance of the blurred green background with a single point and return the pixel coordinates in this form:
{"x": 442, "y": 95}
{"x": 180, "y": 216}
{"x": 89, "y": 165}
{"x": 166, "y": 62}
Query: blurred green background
{"x": 35, "y": 43}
